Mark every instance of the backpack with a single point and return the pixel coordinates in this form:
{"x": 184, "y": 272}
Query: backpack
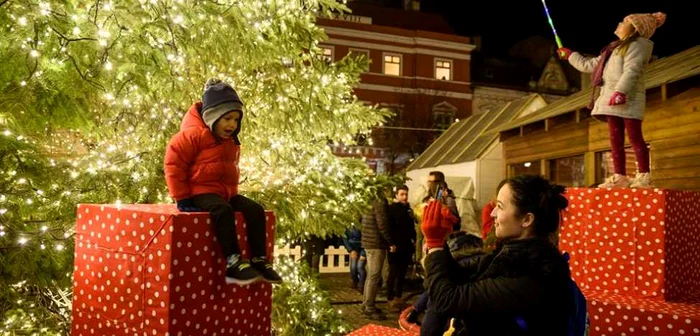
{"x": 578, "y": 321}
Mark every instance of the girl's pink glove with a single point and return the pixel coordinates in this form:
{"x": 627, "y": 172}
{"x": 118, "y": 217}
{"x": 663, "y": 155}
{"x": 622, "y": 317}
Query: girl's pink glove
{"x": 617, "y": 98}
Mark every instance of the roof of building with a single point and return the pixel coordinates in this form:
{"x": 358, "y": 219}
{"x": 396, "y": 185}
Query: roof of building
{"x": 399, "y": 18}
{"x": 665, "y": 70}
{"x": 466, "y": 140}
{"x": 524, "y": 63}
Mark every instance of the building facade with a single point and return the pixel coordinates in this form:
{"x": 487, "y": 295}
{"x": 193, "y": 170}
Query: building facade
{"x": 422, "y": 76}
{"x": 531, "y": 66}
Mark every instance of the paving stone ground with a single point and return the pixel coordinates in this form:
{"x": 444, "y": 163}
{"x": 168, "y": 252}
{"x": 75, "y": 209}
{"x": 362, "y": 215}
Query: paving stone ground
{"x": 349, "y": 300}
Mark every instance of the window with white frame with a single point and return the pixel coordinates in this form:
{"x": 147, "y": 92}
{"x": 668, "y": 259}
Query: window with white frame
{"x": 392, "y": 64}
{"x": 443, "y": 69}
{"x": 443, "y": 115}
{"x": 327, "y": 53}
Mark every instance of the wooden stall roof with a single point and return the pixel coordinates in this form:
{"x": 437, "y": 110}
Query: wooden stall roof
{"x": 467, "y": 139}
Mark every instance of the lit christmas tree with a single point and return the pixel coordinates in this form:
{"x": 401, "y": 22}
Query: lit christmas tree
{"x": 91, "y": 91}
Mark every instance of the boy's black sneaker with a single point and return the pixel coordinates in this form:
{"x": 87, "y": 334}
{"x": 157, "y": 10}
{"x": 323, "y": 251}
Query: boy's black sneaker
{"x": 241, "y": 273}
{"x": 264, "y": 267}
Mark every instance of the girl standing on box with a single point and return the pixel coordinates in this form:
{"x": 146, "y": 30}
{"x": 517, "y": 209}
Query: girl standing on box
{"x": 201, "y": 169}
{"x": 618, "y": 85}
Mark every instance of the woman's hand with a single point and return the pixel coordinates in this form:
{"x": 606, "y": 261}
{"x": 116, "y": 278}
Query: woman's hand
{"x": 437, "y": 223}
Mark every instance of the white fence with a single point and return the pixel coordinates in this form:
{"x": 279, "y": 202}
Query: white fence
{"x": 334, "y": 260}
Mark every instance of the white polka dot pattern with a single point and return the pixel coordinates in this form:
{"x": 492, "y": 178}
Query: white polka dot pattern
{"x": 614, "y": 315}
{"x": 644, "y": 243}
{"x": 151, "y": 270}
{"x": 682, "y": 245}
{"x": 377, "y": 330}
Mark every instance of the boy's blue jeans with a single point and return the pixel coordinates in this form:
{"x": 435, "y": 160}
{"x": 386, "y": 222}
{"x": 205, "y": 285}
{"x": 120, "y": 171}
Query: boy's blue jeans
{"x": 358, "y": 273}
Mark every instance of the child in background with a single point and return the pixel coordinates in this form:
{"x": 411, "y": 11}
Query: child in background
{"x": 463, "y": 247}
{"x": 358, "y": 258}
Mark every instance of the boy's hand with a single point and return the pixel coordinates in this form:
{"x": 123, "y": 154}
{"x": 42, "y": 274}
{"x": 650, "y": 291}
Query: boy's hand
{"x": 353, "y": 254}
{"x": 187, "y": 205}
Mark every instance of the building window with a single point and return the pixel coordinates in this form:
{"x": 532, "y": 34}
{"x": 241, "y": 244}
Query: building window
{"x": 443, "y": 115}
{"x": 605, "y": 168}
{"x": 568, "y": 171}
{"x": 443, "y": 69}
{"x": 392, "y": 64}
{"x": 524, "y": 168}
{"x": 327, "y": 53}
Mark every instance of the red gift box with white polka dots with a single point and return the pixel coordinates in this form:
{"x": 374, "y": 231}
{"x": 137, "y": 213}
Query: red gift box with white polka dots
{"x": 377, "y": 330}
{"x": 639, "y": 242}
{"x": 152, "y": 270}
{"x": 614, "y": 315}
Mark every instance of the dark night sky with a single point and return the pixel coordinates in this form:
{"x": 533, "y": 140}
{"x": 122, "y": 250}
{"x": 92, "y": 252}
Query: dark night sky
{"x": 585, "y": 26}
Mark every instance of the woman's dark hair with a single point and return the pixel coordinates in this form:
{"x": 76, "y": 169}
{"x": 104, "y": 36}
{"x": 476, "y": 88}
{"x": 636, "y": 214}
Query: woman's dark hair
{"x": 536, "y": 195}
{"x": 500, "y": 185}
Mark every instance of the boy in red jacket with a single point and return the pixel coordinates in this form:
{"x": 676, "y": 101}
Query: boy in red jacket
{"x": 201, "y": 169}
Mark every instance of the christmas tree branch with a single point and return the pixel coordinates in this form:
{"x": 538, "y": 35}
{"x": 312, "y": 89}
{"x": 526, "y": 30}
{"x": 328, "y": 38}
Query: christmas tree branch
{"x": 113, "y": 100}
{"x": 96, "y": 6}
{"x": 83, "y": 76}
{"x": 68, "y": 39}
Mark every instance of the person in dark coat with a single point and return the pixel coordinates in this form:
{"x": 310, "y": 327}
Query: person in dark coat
{"x": 377, "y": 242}
{"x": 402, "y": 230}
{"x": 522, "y": 288}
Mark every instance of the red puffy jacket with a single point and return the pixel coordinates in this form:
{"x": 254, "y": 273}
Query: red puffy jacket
{"x": 196, "y": 162}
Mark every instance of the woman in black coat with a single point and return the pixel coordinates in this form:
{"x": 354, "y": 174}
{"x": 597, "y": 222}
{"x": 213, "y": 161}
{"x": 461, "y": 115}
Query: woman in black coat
{"x": 522, "y": 288}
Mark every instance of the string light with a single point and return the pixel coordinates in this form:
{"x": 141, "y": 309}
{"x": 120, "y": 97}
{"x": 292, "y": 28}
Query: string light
{"x": 100, "y": 90}
{"x": 305, "y": 303}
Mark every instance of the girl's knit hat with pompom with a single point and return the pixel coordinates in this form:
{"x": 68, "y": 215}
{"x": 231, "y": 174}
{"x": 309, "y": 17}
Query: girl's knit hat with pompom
{"x": 646, "y": 23}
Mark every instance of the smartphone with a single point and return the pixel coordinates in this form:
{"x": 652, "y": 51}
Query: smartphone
{"x": 438, "y": 195}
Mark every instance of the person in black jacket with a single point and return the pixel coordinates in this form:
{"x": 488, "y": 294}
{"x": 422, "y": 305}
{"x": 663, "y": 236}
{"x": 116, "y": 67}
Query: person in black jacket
{"x": 522, "y": 288}
{"x": 402, "y": 230}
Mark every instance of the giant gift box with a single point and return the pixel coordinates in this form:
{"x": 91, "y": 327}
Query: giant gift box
{"x": 615, "y": 315}
{"x": 151, "y": 270}
{"x": 378, "y": 330}
{"x": 638, "y": 242}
